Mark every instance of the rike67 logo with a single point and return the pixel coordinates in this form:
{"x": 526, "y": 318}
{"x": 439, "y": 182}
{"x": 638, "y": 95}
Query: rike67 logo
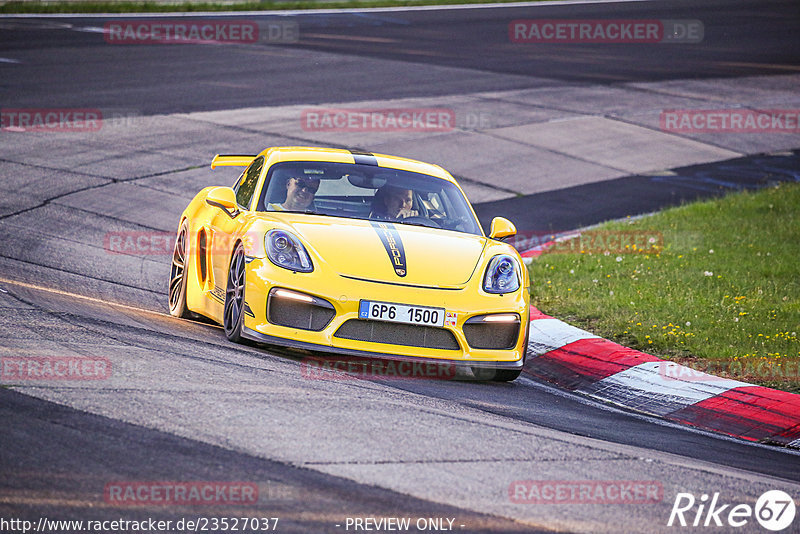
{"x": 774, "y": 510}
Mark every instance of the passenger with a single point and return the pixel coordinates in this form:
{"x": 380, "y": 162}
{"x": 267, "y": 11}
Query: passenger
{"x": 392, "y": 202}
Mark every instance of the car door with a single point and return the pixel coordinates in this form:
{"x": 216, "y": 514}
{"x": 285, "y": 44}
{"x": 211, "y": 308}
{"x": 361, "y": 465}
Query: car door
{"x": 224, "y": 228}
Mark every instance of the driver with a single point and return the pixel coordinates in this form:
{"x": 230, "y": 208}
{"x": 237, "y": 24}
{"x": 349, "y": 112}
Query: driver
{"x": 392, "y": 202}
{"x": 300, "y": 193}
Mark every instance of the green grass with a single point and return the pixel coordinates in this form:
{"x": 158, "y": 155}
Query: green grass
{"x": 721, "y": 293}
{"x": 153, "y": 7}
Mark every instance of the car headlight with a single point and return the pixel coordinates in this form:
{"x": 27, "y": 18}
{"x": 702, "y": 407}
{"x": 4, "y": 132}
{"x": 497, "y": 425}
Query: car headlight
{"x": 502, "y": 275}
{"x": 285, "y": 250}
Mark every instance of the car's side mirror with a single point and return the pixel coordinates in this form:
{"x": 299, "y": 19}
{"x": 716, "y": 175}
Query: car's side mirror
{"x": 225, "y": 199}
{"x": 502, "y": 227}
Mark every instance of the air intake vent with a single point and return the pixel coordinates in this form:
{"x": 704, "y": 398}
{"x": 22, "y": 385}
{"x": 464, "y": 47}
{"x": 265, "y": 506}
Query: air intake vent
{"x": 427, "y": 337}
{"x": 298, "y": 310}
{"x": 498, "y": 332}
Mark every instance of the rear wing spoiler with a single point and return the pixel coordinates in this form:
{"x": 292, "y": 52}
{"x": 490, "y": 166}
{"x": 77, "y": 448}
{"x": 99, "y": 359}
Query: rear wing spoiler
{"x": 221, "y": 160}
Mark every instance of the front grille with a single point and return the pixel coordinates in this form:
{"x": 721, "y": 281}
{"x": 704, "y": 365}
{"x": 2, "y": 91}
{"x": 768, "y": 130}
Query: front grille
{"x": 481, "y": 334}
{"x": 293, "y": 313}
{"x": 409, "y": 335}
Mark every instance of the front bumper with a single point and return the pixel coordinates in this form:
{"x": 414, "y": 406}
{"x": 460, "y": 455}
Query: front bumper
{"x": 312, "y": 347}
{"x": 344, "y": 295}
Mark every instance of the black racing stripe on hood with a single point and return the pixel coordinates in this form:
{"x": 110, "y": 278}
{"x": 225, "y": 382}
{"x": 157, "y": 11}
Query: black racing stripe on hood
{"x": 390, "y": 238}
{"x": 364, "y": 158}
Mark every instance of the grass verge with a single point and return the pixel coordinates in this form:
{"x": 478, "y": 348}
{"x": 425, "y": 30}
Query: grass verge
{"x": 157, "y": 7}
{"x": 714, "y": 285}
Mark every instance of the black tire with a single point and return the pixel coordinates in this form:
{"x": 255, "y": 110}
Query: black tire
{"x": 178, "y": 276}
{"x": 525, "y": 348}
{"x": 502, "y": 375}
{"x": 489, "y": 374}
{"x": 506, "y": 375}
{"x": 233, "y": 315}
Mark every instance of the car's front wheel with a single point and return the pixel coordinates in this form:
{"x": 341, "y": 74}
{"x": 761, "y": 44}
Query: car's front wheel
{"x": 233, "y": 315}
{"x": 178, "y": 276}
{"x": 488, "y": 374}
{"x": 506, "y": 375}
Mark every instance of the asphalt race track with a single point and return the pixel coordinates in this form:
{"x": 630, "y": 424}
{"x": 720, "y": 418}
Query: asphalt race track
{"x": 343, "y": 57}
{"x": 555, "y": 136}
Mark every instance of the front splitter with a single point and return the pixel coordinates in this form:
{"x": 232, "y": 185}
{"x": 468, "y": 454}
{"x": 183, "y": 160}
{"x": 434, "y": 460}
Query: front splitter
{"x": 303, "y": 345}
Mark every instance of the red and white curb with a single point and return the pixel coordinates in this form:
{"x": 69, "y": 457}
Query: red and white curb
{"x": 581, "y": 362}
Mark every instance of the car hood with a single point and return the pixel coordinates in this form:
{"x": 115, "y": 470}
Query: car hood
{"x": 397, "y": 253}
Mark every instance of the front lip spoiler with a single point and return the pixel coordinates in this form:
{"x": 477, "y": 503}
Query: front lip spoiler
{"x": 291, "y": 343}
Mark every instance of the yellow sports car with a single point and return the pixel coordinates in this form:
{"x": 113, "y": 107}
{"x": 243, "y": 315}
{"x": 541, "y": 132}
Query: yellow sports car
{"x": 353, "y": 254}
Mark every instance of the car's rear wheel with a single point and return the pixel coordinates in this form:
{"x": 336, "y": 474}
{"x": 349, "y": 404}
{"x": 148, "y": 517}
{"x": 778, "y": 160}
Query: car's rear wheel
{"x": 233, "y": 315}
{"x": 178, "y": 276}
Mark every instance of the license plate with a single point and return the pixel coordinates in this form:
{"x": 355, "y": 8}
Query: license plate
{"x": 401, "y": 313}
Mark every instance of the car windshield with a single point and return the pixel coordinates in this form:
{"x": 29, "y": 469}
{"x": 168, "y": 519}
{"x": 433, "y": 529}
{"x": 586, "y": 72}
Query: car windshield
{"x": 367, "y": 192}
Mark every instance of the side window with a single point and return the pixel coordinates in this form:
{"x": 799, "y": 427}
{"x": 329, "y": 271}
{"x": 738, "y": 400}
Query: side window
{"x": 247, "y": 183}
